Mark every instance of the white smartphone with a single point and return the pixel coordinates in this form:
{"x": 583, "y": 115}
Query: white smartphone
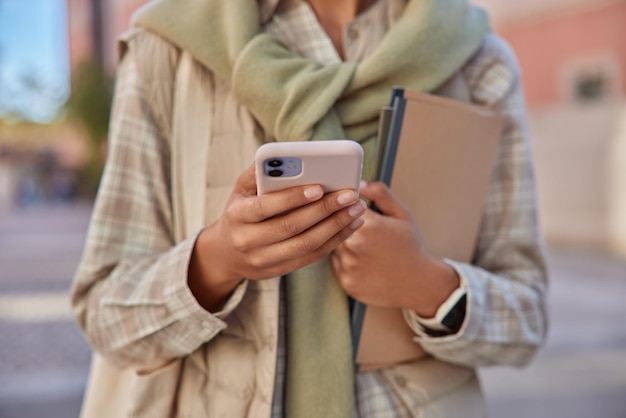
{"x": 334, "y": 165}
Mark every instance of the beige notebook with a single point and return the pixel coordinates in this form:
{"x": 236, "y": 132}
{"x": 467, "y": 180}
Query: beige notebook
{"x": 442, "y": 170}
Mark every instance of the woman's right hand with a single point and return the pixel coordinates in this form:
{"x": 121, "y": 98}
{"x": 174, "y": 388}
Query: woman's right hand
{"x": 260, "y": 237}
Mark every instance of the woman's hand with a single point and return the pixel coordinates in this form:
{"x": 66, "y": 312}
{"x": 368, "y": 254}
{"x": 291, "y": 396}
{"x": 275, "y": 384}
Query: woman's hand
{"x": 386, "y": 263}
{"x": 260, "y": 237}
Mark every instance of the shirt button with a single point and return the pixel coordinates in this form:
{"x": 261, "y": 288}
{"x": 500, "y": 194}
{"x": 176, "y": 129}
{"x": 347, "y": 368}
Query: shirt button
{"x": 401, "y": 381}
{"x": 353, "y": 33}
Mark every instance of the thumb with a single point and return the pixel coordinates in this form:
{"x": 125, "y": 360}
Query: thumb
{"x": 384, "y": 199}
{"x": 246, "y": 183}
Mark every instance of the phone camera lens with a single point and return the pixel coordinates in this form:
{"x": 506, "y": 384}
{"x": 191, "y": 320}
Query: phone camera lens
{"x": 274, "y": 163}
{"x": 275, "y": 173}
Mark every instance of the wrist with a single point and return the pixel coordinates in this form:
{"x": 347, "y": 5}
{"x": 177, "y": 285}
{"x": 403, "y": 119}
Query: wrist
{"x": 442, "y": 280}
{"x": 207, "y": 275}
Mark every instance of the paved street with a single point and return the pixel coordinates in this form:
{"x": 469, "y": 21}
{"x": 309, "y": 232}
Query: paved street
{"x": 43, "y": 357}
{"x": 44, "y": 360}
{"x": 581, "y": 372}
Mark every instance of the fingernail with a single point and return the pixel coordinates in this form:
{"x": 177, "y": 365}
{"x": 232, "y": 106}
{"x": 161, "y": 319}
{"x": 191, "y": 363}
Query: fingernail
{"x": 357, "y": 222}
{"x": 314, "y": 192}
{"x": 357, "y": 209}
{"x": 346, "y": 197}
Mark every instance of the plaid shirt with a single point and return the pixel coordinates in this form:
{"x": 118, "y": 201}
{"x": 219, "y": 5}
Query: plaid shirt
{"x": 130, "y": 293}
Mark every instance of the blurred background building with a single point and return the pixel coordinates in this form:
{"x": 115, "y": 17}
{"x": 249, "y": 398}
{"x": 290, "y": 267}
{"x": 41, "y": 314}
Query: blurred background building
{"x": 52, "y": 130}
{"x": 573, "y": 59}
{"x": 93, "y": 26}
{"x": 69, "y": 130}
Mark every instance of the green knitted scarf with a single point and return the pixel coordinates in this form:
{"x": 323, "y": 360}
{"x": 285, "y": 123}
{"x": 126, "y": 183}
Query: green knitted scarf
{"x": 296, "y": 99}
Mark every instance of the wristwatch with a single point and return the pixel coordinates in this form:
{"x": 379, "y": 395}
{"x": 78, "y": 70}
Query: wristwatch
{"x": 449, "y": 316}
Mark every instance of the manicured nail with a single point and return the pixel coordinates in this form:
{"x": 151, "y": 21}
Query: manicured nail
{"x": 357, "y": 209}
{"x": 347, "y": 197}
{"x": 314, "y": 192}
{"x": 357, "y": 222}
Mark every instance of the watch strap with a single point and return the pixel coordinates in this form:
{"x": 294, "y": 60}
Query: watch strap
{"x": 449, "y": 316}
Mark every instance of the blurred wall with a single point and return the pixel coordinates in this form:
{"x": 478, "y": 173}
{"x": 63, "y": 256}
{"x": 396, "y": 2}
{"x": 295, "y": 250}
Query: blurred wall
{"x": 573, "y": 59}
{"x": 79, "y": 31}
{"x": 112, "y": 17}
{"x": 558, "y": 50}
{"x": 119, "y": 14}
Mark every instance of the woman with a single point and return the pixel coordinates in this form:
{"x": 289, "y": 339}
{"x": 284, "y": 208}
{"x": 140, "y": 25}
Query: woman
{"x": 213, "y": 301}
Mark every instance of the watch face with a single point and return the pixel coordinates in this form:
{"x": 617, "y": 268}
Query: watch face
{"x": 454, "y": 319}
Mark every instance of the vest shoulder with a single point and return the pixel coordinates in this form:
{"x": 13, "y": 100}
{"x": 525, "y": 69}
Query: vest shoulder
{"x": 150, "y": 51}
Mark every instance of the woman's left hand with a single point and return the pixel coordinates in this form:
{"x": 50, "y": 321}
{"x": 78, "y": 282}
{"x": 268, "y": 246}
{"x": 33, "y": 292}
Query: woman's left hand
{"x": 386, "y": 262}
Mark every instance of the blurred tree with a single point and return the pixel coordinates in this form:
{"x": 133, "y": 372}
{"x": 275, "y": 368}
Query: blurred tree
{"x": 33, "y": 87}
{"x": 28, "y": 96}
{"x": 90, "y": 105}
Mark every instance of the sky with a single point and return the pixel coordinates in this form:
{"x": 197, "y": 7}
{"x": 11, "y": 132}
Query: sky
{"x": 33, "y": 52}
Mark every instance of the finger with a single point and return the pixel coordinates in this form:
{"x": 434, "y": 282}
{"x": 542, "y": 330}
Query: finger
{"x": 336, "y": 241}
{"x": 259, "y": 208}
{"x": 342, "y": 255}
{"x": 315, "y": 239}
{"x": 303, "y": 218}
{"x": 297, "y": 222}
{"x": 384, "y": 199}
{"x": 256, "y": 237}
{"x": 325, "y": 249}
{"x": 299, "y": 207}
{"x": 335, "y": 262}
{"x": 246, "y": 182}
{"x": 253, "y": 237}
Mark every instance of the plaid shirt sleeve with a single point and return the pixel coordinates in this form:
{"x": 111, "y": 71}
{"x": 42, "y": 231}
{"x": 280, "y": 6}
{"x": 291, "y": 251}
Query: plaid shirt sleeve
{"x": 505, "y": 320}
{"x": 130, "y": 292}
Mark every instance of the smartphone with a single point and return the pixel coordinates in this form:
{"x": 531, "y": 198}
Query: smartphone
{"x": 334, "y": 165}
